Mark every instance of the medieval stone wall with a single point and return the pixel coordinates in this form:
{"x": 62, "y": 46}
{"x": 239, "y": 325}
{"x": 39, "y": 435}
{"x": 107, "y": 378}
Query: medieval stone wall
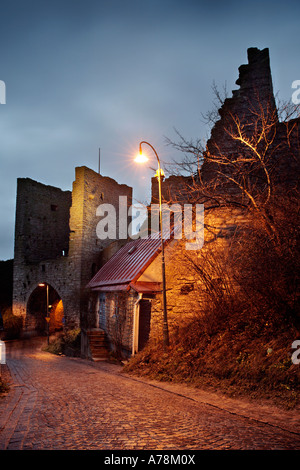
{"x": 42, "y": 221}
{"x": 96, "y": 190}
{"x": 56, "y": 241}
{"x": 250, "y": 110}
{"x": 254, "y": 96}
{"x": 87, "y": 251}
{"x": 250, "y": 107}
{"x": 186, "y": 292}
{"x": 254, "y": 99}
{"x": 41, "y": 241}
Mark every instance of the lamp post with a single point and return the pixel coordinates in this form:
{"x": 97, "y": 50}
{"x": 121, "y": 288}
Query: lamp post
{"x": 47, "y": 309}
{"x": 141, "y": 159}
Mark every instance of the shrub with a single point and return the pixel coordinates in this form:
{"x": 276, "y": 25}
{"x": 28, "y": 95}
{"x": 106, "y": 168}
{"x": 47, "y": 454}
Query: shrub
{"x": 12, "y": 325}
{"x": 68, "y": 343}
{"x": 3, "y": 387}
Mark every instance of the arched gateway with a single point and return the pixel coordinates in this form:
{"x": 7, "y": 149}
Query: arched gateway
{"x": 44, "y": 308}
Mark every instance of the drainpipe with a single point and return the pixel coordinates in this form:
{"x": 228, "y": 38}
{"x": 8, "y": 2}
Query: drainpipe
{"x": 135, "y": 335}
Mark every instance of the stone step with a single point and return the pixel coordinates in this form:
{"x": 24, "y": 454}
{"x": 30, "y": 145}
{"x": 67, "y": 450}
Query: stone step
{"x": 98, "y": 344}
{"x": 98, "y": 341}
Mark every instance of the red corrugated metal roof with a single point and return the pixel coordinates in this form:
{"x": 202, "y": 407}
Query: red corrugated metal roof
{"x": 113, "y": 287}
{"x": 146, "y": 287}
{"x": 127, "y": 264}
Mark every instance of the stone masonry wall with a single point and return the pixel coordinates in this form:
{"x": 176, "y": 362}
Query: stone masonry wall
{"x": 42, "y": 221}
{"x": 56, "y": 241}
{"x": 41, "y": 240}
{"x": 91, "y": 252}
{"x": 186, "y": 294}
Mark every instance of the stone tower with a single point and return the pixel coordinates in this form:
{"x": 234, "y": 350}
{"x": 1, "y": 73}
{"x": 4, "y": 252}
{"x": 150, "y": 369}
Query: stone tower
{"x": 57, "y": 248}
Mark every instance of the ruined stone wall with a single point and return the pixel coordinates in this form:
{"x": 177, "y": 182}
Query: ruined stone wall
{"x": 254, "y": 96}
{"x": 186, "y": 294}
{"x": 174, "y": 189}
{"x": 286, "y": 151}
{"x": 250, "y": 109}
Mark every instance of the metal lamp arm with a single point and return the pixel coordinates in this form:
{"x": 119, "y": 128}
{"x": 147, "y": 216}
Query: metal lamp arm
{"x": 147, "y": 143}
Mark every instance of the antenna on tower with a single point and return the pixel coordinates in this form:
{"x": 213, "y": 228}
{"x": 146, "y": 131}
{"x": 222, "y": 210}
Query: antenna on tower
{"x": 99, "y": 162}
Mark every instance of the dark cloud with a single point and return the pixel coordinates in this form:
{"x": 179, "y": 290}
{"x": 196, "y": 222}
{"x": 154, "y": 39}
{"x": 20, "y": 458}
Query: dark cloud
{"x": 87, "y": 74}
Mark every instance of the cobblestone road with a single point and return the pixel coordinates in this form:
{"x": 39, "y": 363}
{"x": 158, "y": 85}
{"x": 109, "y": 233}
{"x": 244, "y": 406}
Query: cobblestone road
{"x": 66, "y": 403}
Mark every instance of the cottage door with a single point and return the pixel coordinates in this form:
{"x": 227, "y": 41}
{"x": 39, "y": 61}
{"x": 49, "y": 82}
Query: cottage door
{"x": 102, "y": 316}
{"x": 144, "y": 322}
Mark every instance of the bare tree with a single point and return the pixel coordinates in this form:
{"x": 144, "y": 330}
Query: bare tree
{"x": 255, "y": 172}
{"x": 247, "y": 172}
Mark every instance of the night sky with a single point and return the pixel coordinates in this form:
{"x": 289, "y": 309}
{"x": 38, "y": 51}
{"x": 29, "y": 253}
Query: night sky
{"x": 85, "y": 74}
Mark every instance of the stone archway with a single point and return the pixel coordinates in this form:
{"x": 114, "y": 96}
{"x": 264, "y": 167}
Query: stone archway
{"x": 37, "y": 313}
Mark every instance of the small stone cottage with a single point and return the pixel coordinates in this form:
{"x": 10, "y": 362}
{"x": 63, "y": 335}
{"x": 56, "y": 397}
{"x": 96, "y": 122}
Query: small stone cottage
{"x": 125, "y": 296}
{"x": 122, "y": 291}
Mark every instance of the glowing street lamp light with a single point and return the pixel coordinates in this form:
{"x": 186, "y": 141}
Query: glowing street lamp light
{"x": 141, "y": 158}
{"x": 159, "y": 174}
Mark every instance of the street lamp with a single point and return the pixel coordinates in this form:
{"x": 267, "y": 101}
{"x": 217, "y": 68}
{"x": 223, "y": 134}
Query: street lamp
{"x": 47, "y": 308}
{"x": 142, "y": 159}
